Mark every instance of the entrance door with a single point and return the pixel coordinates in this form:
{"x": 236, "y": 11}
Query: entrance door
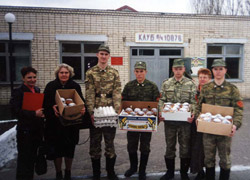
{"x": 159, "y": 62}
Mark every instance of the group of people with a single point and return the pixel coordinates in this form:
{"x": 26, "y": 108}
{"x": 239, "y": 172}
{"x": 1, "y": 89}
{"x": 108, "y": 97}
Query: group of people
{"x": 103, "y": 88}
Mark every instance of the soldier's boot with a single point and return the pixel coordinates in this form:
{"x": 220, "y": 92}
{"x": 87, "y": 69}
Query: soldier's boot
{"x": 143, "y": 166}
{"x": 210, "y": 173}
{"x": 67, "y": 175}
{"x": 200, "y": 175}
{"x": 110, "y": 163}
{"x": 96, "y": 166}
{"x": 185, "y": 162}
{"x": 133, "y": 164}
{"x": 224, "y": 174}
{"x": 170, "y": 164}
{"x": 59, "y": 175}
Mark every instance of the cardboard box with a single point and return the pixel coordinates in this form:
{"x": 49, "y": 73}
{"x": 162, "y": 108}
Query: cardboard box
{"x": 138, "y": 123}
{"x": 176, "y": 116}
{"x": 69, "y": 113}
{"x": 212, "y": 127}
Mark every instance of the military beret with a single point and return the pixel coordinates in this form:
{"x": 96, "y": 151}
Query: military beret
{"x": 219, "y": 62}
{"x": 140, "y": 65}
{"x": 104, "y": 48}
{"x": 178, "y": 63}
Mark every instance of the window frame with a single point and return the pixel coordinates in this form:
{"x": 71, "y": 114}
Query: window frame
{"x": 224, "y": 56}
{"x": 6, "y": 55}
{"x": 82, "y": 54}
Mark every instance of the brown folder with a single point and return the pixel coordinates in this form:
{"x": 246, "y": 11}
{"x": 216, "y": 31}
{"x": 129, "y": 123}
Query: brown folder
{"x": 32, "y": 101}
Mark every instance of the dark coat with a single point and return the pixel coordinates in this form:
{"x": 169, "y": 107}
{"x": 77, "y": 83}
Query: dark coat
{"x": 55, "y": 132}
{"x": 197, "y": 150}
{"x": 27, "y": 120}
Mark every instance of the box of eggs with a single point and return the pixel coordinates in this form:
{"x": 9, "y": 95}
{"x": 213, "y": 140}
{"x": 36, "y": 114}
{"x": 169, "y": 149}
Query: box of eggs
{"x": 138, "y": 116}
{"x": 69, "y": 104}
{"x": 105, "y": 117}
{"x": 215, "y": 120}
{"x": 176, "y": 111}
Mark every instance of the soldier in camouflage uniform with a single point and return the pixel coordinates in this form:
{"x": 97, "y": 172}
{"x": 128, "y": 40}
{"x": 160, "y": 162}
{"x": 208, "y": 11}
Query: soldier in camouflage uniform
{"x": 222, "y": 93}
{"x": 103, "y": 88}
{"x": 177, "y": 89}
{"x": 139, "y": 89}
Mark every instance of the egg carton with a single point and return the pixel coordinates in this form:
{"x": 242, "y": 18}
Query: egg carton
{"x": 105, "y": 121}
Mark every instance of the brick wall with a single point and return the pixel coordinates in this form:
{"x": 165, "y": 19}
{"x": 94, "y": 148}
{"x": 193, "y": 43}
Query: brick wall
{"x": 45, "y": 23}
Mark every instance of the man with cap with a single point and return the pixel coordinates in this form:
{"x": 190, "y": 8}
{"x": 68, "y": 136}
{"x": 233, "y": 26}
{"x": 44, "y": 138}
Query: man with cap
{"x": 221, "y": 93}
{"x": 177, "y": 89}
{"x": 103, "y": 88}
{"x": 139, "y": 89}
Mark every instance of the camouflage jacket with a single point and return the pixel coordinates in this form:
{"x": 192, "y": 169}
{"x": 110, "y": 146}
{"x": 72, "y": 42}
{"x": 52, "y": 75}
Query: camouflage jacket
{"x": 178, "y": 91}
{"x": 226, "y": 94}
{"x": 102, "y": 82}
{"x": 147, "y": 91}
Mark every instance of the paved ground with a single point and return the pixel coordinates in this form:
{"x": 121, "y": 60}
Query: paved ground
{"x": 82, "y": 165}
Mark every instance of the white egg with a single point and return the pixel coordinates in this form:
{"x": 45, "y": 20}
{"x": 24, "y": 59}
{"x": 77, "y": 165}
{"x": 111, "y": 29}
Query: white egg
{"x": 217, "y": 120}
{"x": 226, "y": 121}
{"x": 228, "y": 117}
{"x": 208, "y": 114}
{"x": 203, "y": 115}
{"x": 208, "y": 119}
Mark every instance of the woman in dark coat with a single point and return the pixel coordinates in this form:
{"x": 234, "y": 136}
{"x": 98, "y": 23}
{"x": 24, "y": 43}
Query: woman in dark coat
{"x": 29, "y": 126}
{"x": 60, "y": 139}
{"x": 197, "y": 152}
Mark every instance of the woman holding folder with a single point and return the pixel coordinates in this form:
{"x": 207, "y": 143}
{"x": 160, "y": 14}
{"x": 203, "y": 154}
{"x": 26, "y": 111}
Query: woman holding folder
{"x": 29, "y": 125}
{"x": 60, "y": 139}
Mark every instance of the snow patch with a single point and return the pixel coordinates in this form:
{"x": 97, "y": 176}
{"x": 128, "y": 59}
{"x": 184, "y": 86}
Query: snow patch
{"x": 8, "y": 148}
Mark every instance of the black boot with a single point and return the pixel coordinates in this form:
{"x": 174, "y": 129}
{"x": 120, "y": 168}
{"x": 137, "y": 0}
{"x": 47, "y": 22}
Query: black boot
{"x": 185, "y": 162}
{"x": 224, "y": 174}
{"x": 210, "y": 173}
{"x": 143, "y": 166}
{"x": 96, "y": 166}
{"x": 170, "y": 164}
{"x": 59, "y": 175}
{"x": 200, "y": 175}
{"x": 133, "y": 164}
{"x": 110, "y": 163}
{"x": 67, "y": 175}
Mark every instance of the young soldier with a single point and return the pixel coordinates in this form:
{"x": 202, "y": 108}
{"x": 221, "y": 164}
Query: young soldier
{"x": 103, "y": 88}
{"x": 177, "y": 89}
{"x": 222, "y": 93}
{"x": 139, "y": 89}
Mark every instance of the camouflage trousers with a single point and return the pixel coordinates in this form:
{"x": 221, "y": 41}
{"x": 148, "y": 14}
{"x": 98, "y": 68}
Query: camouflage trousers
{"x": 135, "y": 137}
{"x": 182, "y": 130}
{"x": 223, "y": 144}
{"x": 96, "y": 139}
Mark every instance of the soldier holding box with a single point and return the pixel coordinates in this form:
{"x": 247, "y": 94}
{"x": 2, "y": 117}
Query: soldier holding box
{"x": 222, "y": 93}
{"x": 139, "y": 89}
{"x": 103, "y": 88}
{"x": 177, "y": 89}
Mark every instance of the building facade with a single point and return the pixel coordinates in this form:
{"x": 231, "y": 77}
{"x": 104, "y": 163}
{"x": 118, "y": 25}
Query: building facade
{"x": 45, "y": 37}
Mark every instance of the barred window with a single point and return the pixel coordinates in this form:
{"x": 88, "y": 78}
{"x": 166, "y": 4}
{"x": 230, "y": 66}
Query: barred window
{"x": 21, "y": 57}
{"x": 80, "y": 55}
{"x": 232, "y": 54}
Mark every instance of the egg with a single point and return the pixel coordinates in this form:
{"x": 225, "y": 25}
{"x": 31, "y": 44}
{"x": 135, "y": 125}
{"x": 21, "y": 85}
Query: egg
{"x": 154, "y": 110}
{"x": 208, "y": 119}
{"x": 168, "y": 103}
{"x": 140, "y": 113}
{"x": 228, "y": 117}
{"x": 133, "y": 113}
{"x": 185, "y": 104}
{"x": 208, "y": 114}
{"x": 137, "y": 109}
{"x": 226, "y": 121}
{"x": 203, "y": 115}
{"x": 145, "y": 110}
{"x": 62, "y": 99}
{"x": 71, "y": 104}
{"x": 149, "y": 113}
{"x": 217, "y": 120}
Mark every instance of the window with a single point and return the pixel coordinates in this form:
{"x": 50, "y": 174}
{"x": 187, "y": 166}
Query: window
{"x": 21, "y": 58}
{"x": 231, "y": 53}
{"x": 81, "y": 56}
{"x": 143, "y": 52}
